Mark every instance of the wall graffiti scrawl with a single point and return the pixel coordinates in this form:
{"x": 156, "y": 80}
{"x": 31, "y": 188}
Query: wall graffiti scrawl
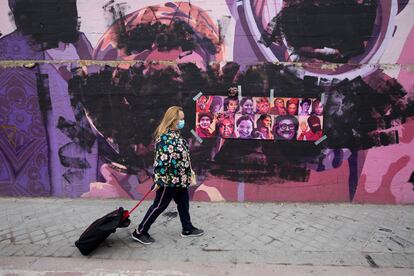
{"x": 326, "y": 110}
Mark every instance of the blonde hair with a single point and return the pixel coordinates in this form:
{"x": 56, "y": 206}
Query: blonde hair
{"x": 169, "y": 117}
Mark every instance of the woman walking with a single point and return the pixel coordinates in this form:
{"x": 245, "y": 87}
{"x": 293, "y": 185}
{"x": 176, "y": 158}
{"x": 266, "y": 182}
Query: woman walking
{"x": 172, "y": 176}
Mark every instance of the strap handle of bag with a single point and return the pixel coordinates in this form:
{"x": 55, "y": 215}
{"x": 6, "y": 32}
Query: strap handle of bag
{"x": 127, "y": 213}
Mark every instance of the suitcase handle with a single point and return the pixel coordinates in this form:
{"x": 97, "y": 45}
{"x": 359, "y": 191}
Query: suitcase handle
{"x": 127, "y": 213}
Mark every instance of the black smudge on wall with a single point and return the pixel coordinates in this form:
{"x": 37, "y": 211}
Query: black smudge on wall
{"x": 165, "y": 37}
{"x": 356, "y": 115}
{"x": 73, "y": 176}
{"x": 47, "y": 21}
{"x": 69, "y": 156}
{"x": 127, "y": 105}
{"x": 82, "y": 136}
{"x": 344, "y": 25}
{"x": 411, "y": 179}
{"x": 43, "y": 92}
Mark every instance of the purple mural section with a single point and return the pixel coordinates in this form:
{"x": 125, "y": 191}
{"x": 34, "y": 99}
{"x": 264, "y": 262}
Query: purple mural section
{"x": 285, "y": 100}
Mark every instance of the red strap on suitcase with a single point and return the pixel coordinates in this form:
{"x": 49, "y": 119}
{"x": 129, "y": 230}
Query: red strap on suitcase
{"x": 127, "y": 213}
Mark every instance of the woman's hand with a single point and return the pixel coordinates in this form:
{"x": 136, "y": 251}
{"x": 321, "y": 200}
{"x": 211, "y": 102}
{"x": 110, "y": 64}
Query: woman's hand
{"x": 303, "y": 126}
{"x": 155, "y": 187}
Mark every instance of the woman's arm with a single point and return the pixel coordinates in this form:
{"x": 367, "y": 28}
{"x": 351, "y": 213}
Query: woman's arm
{"x": 162, "y": 162}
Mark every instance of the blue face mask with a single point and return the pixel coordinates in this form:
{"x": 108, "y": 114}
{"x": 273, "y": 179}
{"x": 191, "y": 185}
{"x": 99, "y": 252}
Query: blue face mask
{"x": 181, "y": 124}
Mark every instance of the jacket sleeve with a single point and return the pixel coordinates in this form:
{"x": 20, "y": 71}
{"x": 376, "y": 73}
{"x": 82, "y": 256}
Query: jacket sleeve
{"x": 162, "y": 162}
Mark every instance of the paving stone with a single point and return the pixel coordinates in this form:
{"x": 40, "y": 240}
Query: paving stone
{"x": 48, "y": 250}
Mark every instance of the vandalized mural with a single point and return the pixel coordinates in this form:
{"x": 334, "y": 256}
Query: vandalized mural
{"x": 285, "y": 100}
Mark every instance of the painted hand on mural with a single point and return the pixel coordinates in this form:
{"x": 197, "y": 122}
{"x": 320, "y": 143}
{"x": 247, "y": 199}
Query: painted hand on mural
{"x": 117, "y": 183}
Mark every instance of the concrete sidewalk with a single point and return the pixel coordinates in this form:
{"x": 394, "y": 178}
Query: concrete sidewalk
{"x": 255, "y": 237}
{"x": 48, "y": 266}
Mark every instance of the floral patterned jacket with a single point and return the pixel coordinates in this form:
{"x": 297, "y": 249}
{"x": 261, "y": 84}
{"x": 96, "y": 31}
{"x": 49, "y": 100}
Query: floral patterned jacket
{"x": 172, "y": 160}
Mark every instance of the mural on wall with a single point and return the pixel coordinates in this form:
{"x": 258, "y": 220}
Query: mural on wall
{"x": 300, "y": 100}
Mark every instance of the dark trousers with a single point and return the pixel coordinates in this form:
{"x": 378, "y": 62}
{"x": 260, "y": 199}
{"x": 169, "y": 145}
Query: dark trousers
{"x": 163, "y": 197}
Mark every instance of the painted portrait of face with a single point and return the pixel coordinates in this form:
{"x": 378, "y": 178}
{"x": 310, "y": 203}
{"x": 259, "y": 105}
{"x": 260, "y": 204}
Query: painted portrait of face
{"x": 205, "y": 122}
{"x": 262, "y": 106}
{"x": 314, "y": 123}
{"x": 286, "y": 127}
{"x": 216, "y": 104}
{"x": 305, "y": 106}
{"x": 278, "y": 107}
{"x": 231, "y": 105}
{"x": 317, "y": 107}
{"x": 247, "y": 106}
{"x": 292, "y": 107}
{"x": 244, "y": 127}
{"x": 266, "y": 122}
{"x": 202, "y": 101}
{"x": 279, "y": 103}
{"x": 226, "y": 128}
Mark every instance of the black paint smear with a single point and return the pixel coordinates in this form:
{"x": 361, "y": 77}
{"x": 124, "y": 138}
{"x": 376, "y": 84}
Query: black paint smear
{"x": 43, "y": 92}
{"x": 106, "y": 152}
{"x": 74, "y": 176}
{"x": 356, "y": 114}
{"x": 165, "y": 37}
{"x": 241, "y": 162}
{"x": 337, "y": 161}
{"x": 379, "y": 139}
{"x": 401, "y": 5}
{"x": 293, "y": 173}
{"x": 79, "y": 112}
{"x": 338, "y": 24}
{"x": 82, "y": 136}
{"x": 258, "y": 80}
{"x": 67, "y": 159}
{"x": 127, "y": 105}
{"x": 411, "y": 180}
{"x": 47, "y": 21}
{"x": 45, "y": 106}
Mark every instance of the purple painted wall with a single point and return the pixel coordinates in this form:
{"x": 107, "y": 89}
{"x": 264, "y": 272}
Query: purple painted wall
{"x": 84, "y": 83}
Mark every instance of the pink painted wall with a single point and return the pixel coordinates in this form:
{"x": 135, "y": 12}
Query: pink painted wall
{"x": 53, "y": 142}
